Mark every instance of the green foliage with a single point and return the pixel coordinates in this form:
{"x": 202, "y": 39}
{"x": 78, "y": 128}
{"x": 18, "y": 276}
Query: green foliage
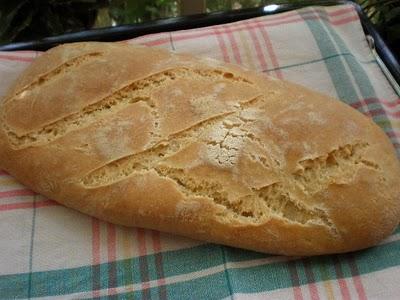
{"x": 28, "y": 20}
{"x": 128, "y": 12}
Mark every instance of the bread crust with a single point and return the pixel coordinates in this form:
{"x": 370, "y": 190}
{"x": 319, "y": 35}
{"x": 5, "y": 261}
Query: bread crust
{"x": 143, "y": 137}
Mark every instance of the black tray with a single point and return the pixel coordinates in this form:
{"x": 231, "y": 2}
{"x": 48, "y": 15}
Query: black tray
{"x": 123, "y": 32}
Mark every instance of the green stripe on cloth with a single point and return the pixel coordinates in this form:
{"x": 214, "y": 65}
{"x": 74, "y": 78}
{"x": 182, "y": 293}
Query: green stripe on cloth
{"x": 275, "y": 276}
{"x": 236, "y": 254}
{"x": 336, "y": 69}
{"x": 326, "y": 269}
{"x": 104, "y": 274}
{"x": 209, "y": 287}
{"x": 359, "y": 74}
{"x": 382, "y": 121}
{"x": 305, "y": 266}
{"x": 244, "y": 277}
{"x": 226, "y": 270}
{"x": 126, "y": 271}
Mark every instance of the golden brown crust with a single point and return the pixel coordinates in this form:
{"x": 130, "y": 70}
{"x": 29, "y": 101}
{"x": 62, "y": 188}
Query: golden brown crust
{"x": 143, "y": 137}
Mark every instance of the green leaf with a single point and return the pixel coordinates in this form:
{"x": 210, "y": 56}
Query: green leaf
{"x": 20, "y": 21}
{"x": 392, "y": 14}
{"x": 53, "y": 22}
{"x": 8, "y": 10}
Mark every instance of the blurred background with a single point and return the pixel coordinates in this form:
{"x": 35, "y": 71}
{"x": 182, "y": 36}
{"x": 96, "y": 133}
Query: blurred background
{"x": 24, "y": 20}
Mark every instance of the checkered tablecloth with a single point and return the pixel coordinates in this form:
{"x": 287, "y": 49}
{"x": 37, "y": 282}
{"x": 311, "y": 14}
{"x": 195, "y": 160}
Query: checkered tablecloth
{"x": 47, "y": 250}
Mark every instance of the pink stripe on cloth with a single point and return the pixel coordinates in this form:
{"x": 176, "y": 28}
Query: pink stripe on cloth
{"x": 182, "y": 35}
{"x": 15, "y": 193}
{"x": 344, "y": 289}
{"x": 296, "y": 19}
{"x": 25, "y": 205}
{"x": 294, "y": 278}
{"x": 96, "y": 256}
{"x": 16, "y": 58}
{"x": 159, "y": 264}
{"x": 377, "y": 111}
{"x": 312, "y": 287}
{"x": 111, "y": 257}
{"x": 28, "y": 51}
{"x": 144, "y": 272}
{"x": 388, "y": 104}
{"x": 222, "y": 45}
{"x": 260, "y": 53}
{"x": 341, "y": 11}
{"x": 270, "y": 20}
{"x": 393, "y": 134}
{"x": 359, "y": 287}
{"x": 297, "y": 293}
{"x": 313, "y": 291}
{"x": 235, "y": 48}
{"x": 111, "y": 242}
{"x": 385, "y": 111}
{"x": 158, "y": 42}
{"x": 271, "y": 53}
{"x": 345, "y": 21}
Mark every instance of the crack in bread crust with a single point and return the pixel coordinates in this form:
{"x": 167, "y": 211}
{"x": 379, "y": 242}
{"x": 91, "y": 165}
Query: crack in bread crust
{"x": 129, "y": 165}
{"x": 312, "y": 176}
{"x": 132, "y": 93}
{"x": 340, "y": 163}
{"x": 274, "y": 200}
{"x": 145, "y": 160}
{"x": 255, "y": 208}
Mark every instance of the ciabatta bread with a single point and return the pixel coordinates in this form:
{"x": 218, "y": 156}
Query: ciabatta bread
{"x": 144, "y": 137}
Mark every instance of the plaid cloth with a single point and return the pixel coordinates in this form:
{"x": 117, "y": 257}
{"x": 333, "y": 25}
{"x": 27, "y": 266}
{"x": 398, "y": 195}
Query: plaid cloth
{"x": 50, "y": 251}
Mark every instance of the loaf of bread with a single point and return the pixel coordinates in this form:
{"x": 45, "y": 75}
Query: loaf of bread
{"x": 195, "y": 147}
